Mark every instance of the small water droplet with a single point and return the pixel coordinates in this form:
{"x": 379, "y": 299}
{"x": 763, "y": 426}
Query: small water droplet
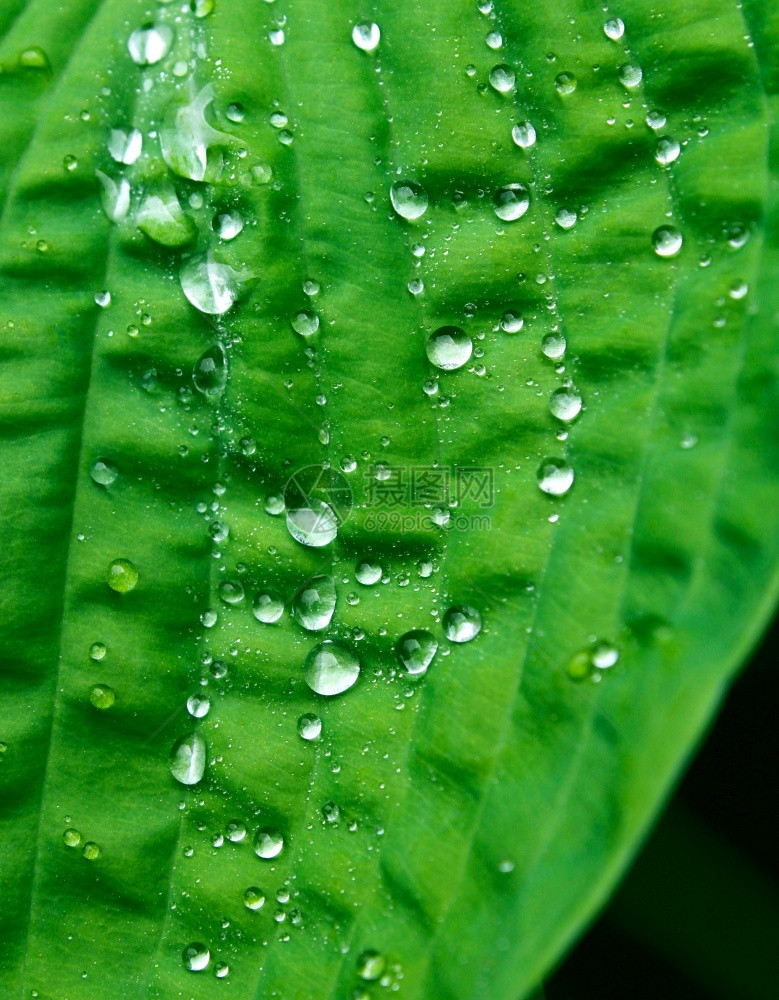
{"x": 511, "y": 202}
{"x": 150, "y": 44}
{"x": 235, "y": 112}
{"x": 103, "y": 472}
{"x": 209, "y": 374}
{"x": 604, "y": 655}
{"x": 331, "y": 668}
{"x": 97, "y": 651}
{"x": 565, "y": 84}
{"x": 614, "y": 29}
{"x": 221, "y": 970}
{"x": 71, "y": 838}
{"x": 566, "y": 218}
{"x": 630, "y": 76}
{"x": 309, "y": 726}
{"x": 555, "y": 477}
{"x": 196, "y": 957}
{"x": 366, "y": 36}
{"x": 161, "y": 218}
{"x": 314, "y": 603}
{"x": 554, "y": 345}
{"x": 667, "y": 241}
{"x": 187, "y": 760}
{"x": 228, "y": 225}
{"x": 408, "y": 199}
{"x": 371, "y": 966}
{"x": 114, "y": 196}
{"x": 415, "y": 650}
{"x": 461, "y": 623}
{"x": 268, "y": 843}
{"x": 235, "y": 831}
{"x": 103, "y": 299}
{"x": 125, "y": 147}
{"x": 655, "y": 120}
{"x": 524, "y": 135}
{"x": 211, "y": 287}
{"x": 565, "y": 404}
{"x": 268, "y": 607}
{"x": 449, "y": 348}
{"x": 305, "y": 323}
{"x": 231, "y": 591}
{"x": 90, "y": 851}
{"x": 367, "y": 573}
{"x": 122, "y": 576}
{"x": 254, "y": 898}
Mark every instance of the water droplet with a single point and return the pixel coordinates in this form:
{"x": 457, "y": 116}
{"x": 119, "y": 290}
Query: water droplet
{"x": 314, "y": 604}
{"x": 305, "y": 323}
{"x": 366, "y": 36}
{"x": 604, "y": 655}
{"x": 555, "y": 477}
{"x": 235, "y": 831}
{"x": 187, "y": 761}
{"x": 309, "y": 726}
{"x": 90, "y": 851}
{"x": 511, "y": 322}
{"x": 614, "y": 29}
{"x": 122, "y": 576}
{"x": 125, "y": 147}
{"x": 667, "y": 150}
{"x": 97, "y": 651}
{"x": 415, "y": 650}
{"x": 268, "y": 843}
{"x": 71, "y": 838}
{"x": 566, "y": 218}
{"x": 196, "y": 957}
{"x": 449, "y": 348}
{"x": 103, "y": 299}
{"x": 554, "y": 345}
{"x": 738, "y": 290}
{"x": 102, "y": 696}
{"x": 331, "y": 668}
{"x": 371, "y": 966}
{"x": 103, "y": 472}
{"x": 461, "y": 623}
{"x": 314, "y": 525}
{"x": 565, "y": 84}
{"x": 222, "y": 969}
{"x": 185, "y": 141}
{"x": 210, "y": 371}
{"x": 202, "y": 8}
{"x": 231, "y": 591}
{"x": 565, "y": 404}
{"x": 630, "y": 76}
{"x": 254, "y": 898}
{"x": 331, "y": 812}
{"x": 494, "y": 40}
{"x": 228, "y": 225}
{"x": 502, "y": 78}
{"x": 212, "y": 288}
{"x": 368, "y": 573}
{"x": 667, "y": 241}
{"x": 655, "y": 120}
{"x": 150, "y": 44}
{"x": 268, "y": 607}
{"x": 524, "y": 135}
{"x": 511, "y": 202}
{"x": 408, "y": 199}
{"x": 34, "y": 58}
{"x": 161, "y": 218}
{"x": 114, "y": 196}
{"x": 235, "y": 112}
{"x": 198, "y": 706}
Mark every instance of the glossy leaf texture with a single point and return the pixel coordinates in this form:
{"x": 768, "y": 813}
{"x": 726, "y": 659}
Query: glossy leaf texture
{"x": 229, "y": 230}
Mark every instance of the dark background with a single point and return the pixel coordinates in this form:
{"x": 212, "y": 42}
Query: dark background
{"x": 697, "y": 917}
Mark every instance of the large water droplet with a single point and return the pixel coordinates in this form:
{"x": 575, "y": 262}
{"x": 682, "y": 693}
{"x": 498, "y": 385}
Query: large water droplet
{"x": 210, "y": 371}
{"x": 408, "y": 199}
{"x": 415, "y": 650}
{"x": 449, "y": 348}
{"x": 614, "y": 29}
{"x": 268, "y": 607}
{"x": 122, "y": 576}
{"x": 524, "y": 135}
{"x": 314, "y": 525}
{"x": 371, "y": 966}
{"x": 254, "y": 898}
{"x": 114, "y": 196}
{"x": 502, "y": 79}
{"x": 366, "y": 36}
{"x": 305, "y": 323}
{"x": 211, "y": 287}
{"x": 231, "y": 591}
{"x": 161, "y": 218}
{"x": 198, "y": 706}
{"x": 667, "y": 150}
{"x": 187, "y": 761}
{"x": 630, "y": 76}
{"x": 268, "y": 843}
{"x": 151, "y": 43}
{"x": 461, "y": 623}
{"x": 196, "y": 957}
{"x": 314, "y": 604}
{"x": 565, "y": 404}
{"x": 565, "y": 84}
{"x": 103, "y": 472}
{"x": 511, "y": 202}
{"x": 186, "y": 141}
{"x": 228, "y": 225}
{"x": 125, "y": 147}
{"x": 667, "y": 241}
{"x": 367, "y": 573}
{"x": 555, "y": 477}
{"x": 511, "y": 322}
{"x": 102, "y": 696}
{"x": 331, "y": 668}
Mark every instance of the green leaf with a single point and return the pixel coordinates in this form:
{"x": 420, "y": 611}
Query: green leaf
{"x": 163, "y": 386}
